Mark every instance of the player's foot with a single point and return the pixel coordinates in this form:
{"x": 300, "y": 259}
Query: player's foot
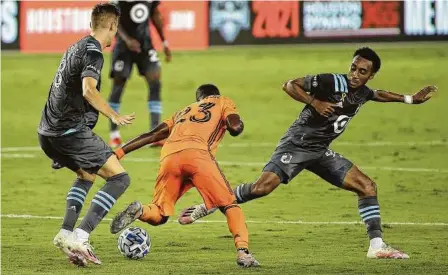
{"x": 115, "y": 142}
{"x": 60, "y": 242}
{"x": 386, "y": 252}
{"x": 245, "y": 259}
{"x": 126, "y": 217}
{"x": 194, "y": 213}
{"x": 82, "y": 249}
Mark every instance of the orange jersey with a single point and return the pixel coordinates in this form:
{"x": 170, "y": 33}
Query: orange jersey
{"x": 200, "y": 125}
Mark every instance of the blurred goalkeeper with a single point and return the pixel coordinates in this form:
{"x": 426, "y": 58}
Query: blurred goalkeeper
{"x": 332, "y": 100}
{"x": 188, "y": 160}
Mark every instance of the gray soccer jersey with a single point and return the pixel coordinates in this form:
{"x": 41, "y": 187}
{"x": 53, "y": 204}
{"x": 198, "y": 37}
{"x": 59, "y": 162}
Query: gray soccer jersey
{"x": 66, "y": 110}
{"x": 316, "y": 131}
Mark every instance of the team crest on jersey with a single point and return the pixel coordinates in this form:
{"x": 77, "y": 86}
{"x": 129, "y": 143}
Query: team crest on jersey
{"x": 139, "y": 13}
{"x": 286, "y": 158}
{"x": 229, "y": 17}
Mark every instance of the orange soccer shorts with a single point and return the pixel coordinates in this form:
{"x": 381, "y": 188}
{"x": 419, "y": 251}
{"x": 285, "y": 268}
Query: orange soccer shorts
{"x": 191, "y": 167}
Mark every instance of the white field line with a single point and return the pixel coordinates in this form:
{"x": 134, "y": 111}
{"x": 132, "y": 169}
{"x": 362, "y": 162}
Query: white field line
{"x": 256, "y": 164}
{"x": 16, "y": 216}
{"x": 273, "y": 145}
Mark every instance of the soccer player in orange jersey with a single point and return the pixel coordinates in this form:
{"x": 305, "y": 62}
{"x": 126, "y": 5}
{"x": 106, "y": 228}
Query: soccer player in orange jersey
{"x": 188, "y": 160}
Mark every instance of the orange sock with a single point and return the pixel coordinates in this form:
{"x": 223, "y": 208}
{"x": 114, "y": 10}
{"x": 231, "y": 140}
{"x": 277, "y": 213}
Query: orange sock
{"x": 151, "y": 214}
{"x": 237, "y": 226}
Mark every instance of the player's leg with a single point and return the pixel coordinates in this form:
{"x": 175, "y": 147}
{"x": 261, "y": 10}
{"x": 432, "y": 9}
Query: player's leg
{"x": 287, "y": 161}
{"x": 92, "y": 155}
{"x": 121, "y": 69}
{"x": 170, "y": 186}
{"x": 341, "y": 172}
{"x": 75, "y": 196}
{"x": 215, "y": 190}
{"x": 149, "y": 67}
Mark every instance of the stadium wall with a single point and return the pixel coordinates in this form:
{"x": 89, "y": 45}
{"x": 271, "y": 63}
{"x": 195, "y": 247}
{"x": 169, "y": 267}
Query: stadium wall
{"x": 43, "y": 26}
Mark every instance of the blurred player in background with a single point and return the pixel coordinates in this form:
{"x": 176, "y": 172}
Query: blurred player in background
{"x": 332, "y": 100}
{"x": 188, "y": 160}
{"x": 134, "y": 45}
{"x": 66, "y": 136}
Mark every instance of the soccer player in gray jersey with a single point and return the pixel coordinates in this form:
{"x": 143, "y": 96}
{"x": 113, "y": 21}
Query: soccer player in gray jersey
{"x": 134, "y": 45}
{"x": 332, "y": 100}
{"x": 66, "y": 136}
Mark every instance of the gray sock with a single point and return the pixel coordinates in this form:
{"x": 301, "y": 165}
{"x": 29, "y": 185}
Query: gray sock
{"x": 104, "y": 200}
{"x": 75, "y": 200}
{"x": 369, "y": 210}
{"x": 243, "y": 193}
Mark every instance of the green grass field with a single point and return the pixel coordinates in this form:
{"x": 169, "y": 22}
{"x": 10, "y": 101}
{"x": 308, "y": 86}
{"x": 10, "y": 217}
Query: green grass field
{"x": 403, "y": 148}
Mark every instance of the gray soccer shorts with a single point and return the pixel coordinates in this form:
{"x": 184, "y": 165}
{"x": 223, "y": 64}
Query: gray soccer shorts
{"x": 83, "y": 150}
{"x": 123, "y": 60}
{"x": 288, "y": 160}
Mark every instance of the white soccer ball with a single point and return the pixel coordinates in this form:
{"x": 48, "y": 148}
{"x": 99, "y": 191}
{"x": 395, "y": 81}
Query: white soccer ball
{"x": 134, "y": 243}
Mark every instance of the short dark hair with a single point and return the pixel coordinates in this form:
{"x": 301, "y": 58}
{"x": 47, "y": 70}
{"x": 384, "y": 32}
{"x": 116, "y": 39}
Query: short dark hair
{"x": 103, "y": 9}
{"x": 369, "y": 54}
{"x": 206, "y": 90}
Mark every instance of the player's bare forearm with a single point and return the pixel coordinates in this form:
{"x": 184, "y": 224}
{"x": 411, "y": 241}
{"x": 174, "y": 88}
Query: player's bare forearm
{"x": 419, "y": 97}
{"x": 295, "y": 89}
{"x": 234, "y": 124}
{"x": 158, "y": 23}
{"x": 385, "y": 96}
{"x": 122, "y": 33}
{"x": 159, "y": 133}
{"x": 92, "y": 95}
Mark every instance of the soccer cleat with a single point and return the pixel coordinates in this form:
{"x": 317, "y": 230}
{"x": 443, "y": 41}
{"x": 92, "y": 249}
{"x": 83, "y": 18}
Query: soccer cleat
{"x": 126, "y": 217}
{"x": 194, "y": 213}
{"x": 83, "y": 249}
{"x": 386, "y": 252}
{"x": 115, "y": 142}
{"x": 59, "y": 242}
{"x": 245, "y": 259}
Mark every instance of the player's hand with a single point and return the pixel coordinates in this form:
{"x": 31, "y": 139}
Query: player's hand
{"x": 424, "y": 94}
{"x": 122, "y": 120}
{"x": 323, "y": 108}
{"x": 134, "y": 45}
{"x": 167, "y": 52}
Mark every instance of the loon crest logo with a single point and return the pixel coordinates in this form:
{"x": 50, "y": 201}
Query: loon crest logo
{"x": 286, "y": 158}
{"x": 229, "y": 17}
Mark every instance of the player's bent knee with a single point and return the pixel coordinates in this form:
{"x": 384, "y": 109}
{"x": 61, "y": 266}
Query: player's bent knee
{"x": 224, "y": 209}
{"x": 83, "y": 175}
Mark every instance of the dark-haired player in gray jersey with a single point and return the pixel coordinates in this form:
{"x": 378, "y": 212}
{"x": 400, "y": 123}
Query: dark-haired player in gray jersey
{"x": 66, "y": 136}
{"x": 332, "y": 100}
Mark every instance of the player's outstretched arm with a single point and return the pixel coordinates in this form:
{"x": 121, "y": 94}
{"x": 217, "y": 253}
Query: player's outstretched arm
{"x": 295, "y": 89}
{"x": 421, "y": 96}
{"x": 157, "y": 20}
{"x": 159, "y": 133}
{"x": 235, "y": 125}
{"x": 92, "y": 95}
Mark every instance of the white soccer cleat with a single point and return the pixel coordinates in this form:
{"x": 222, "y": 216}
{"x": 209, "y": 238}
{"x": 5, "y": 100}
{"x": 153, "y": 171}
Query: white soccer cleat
{"x": 245, "y": 259}
{"x": 191, "y": 214}
{"x": 60, "y": 242}
{"x": 386, "y": 252}
{"x": 82, "y": 249}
